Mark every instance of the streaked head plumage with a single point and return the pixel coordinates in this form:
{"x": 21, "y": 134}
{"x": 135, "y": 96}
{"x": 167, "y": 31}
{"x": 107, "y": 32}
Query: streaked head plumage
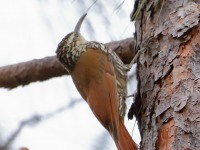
{"x": 70, "y": 45}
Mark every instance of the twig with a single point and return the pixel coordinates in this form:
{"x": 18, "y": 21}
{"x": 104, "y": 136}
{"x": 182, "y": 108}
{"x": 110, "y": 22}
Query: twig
{"x": 34, "y": 120}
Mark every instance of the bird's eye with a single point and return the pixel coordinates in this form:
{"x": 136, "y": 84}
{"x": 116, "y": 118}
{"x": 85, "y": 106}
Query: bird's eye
{"x": 75, "y": 36}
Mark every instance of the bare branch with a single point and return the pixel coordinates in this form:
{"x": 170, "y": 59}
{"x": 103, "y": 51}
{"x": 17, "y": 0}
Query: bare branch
{"x": 35, "y": 119}
{"x": 24, "y": 73}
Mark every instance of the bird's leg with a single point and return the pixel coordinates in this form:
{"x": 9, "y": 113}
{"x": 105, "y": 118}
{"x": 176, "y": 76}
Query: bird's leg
{"x": 132, "y": 95}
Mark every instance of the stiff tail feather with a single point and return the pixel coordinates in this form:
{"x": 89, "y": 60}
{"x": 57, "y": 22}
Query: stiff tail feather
{"x": 125, "y": 142}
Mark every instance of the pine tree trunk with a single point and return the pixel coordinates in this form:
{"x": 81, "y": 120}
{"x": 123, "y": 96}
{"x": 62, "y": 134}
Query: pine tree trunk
{"x": 167, "y": 105}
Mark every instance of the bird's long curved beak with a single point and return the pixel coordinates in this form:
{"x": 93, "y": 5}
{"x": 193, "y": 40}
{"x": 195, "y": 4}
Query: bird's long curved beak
{"x": 78, "y": 25}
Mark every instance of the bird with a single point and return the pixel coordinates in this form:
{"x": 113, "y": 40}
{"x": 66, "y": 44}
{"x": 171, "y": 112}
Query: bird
{"x": 100, "y": 77}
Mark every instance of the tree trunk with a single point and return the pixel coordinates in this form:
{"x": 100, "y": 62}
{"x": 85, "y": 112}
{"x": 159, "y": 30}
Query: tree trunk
{"x": 167, "y": 105}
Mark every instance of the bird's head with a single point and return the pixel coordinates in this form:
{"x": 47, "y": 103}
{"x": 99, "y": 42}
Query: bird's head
{"x": 74, "y": 38}
{"x": 70, "y": 44}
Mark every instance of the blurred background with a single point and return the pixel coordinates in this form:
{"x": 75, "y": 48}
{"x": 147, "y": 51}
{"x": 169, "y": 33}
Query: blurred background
{"x": 51, "y": 115}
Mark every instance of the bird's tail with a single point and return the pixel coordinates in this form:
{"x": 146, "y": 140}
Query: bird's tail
{"x": 125, "y": 141}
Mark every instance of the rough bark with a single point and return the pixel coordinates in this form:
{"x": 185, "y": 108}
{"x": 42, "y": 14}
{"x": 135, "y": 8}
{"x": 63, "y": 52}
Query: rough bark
{"x": 167, "y": 105}
{"x": 42, "y": 69}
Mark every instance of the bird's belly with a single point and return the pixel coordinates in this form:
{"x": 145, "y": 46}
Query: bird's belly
{"x": 89, "y": 68}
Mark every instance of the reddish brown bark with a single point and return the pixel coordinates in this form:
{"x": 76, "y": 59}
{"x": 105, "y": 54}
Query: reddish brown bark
{"x": 42, "y": 69}
{"x": 168, "y": 102}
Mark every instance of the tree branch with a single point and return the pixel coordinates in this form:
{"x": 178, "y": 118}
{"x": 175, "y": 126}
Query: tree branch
{"x": 35, "y": 119}
{"x": 24, "y": 73}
